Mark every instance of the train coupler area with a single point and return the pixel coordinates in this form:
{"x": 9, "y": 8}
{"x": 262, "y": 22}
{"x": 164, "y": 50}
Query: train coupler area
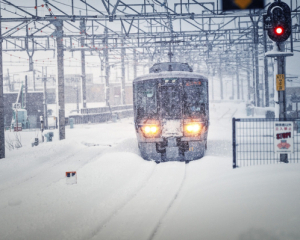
{"x": 172, "y": 149}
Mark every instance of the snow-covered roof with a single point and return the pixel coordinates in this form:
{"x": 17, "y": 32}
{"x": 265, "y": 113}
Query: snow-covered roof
{"x": 171, "y": 74}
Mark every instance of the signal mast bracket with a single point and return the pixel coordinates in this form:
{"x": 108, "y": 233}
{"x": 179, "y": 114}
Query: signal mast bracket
{"x": 276, "y": 52}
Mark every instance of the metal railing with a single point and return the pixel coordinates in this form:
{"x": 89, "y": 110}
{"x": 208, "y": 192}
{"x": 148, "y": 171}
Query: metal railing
{"x": 105, "y": 109}
{"x": 103, "y": 114}
{"x": 253, "y": 142}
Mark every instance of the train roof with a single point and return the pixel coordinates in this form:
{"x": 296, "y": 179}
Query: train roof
{"x": 169, "y": 74}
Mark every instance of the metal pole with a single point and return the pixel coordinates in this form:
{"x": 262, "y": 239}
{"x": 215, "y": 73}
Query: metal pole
{"x": 2, "y": 135}
{"x": 25, "y": 92}
{"x": 17, "y": 120}
{"x": 221, "y": 80}
{"x": 266, "y": 71}
{"x": 233, "y": 144}
{"x": 232, "y": 95}
{"x": 248, "y": 83}
{"x": 44, "y": 78}
{"x": 8, "y": 79}
{"x": 281, "y": 94}
{"x": 253, "y": 76}
{"x": 107, "y": 72}
{"x": 123, "y": 74}
{"x": 31, "y": 68}
{"x": 212, "y": 86}
{"x": 77, "y": 99}
{"x": 256, "y": 64}
{"x": 237, "y": 77}
{"x": 83, "y": 75}
{"x": 134, "y": 63}
{"x": 60, "y": 79}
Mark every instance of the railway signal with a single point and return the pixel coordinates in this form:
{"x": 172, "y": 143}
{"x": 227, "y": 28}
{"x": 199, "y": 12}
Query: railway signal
{"x": 278, "y": 22}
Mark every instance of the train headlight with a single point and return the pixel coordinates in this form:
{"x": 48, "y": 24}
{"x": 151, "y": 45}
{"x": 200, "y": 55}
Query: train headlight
{"x": 154, "y": 129}
{"x": 150, "y": 130}
{"x": 192, "y": 129}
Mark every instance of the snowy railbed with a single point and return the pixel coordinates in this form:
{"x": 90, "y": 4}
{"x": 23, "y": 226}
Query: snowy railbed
{"x": 119, "y": 195}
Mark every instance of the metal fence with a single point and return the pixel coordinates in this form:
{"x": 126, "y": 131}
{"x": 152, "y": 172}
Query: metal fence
{"x": 254, "y": 142}
{"x": 98, "y": 115}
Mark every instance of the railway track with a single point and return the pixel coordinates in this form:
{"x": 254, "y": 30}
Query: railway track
{"x": 166, "y": 181}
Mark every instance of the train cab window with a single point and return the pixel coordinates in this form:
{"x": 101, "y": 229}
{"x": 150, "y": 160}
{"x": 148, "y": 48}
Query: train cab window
{"x": 195, "y": 97}
{"x": 170, "y": 99}
{"x": 145, "y": 97}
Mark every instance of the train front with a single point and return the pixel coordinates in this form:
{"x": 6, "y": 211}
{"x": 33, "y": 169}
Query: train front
{"x": 171, "y": 113}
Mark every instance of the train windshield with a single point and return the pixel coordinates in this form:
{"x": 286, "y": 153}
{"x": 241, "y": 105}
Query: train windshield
{"x": 146, "y": 101}
{"x": 195, "y": 97}
{"x": 170, "y": 101}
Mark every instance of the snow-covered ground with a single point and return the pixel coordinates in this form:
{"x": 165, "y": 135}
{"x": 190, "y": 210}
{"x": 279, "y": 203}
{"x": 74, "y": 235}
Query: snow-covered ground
{"x": 119, "y": 195}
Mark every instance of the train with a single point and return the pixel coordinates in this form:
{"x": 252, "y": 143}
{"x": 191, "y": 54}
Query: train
{"x": 171, "y": 113}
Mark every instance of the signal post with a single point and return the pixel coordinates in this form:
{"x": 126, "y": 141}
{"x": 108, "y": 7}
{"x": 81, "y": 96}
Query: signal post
{"x": 278, "y": 24}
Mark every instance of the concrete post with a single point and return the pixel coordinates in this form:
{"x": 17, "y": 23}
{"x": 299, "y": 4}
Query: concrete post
{"x": 248, "y": 84}
{"x": 134, "y": 63}
{"x": 237, "y": 77}
{"x": 257, "y": 75}
{"x": 83, "y": 74}
{"x": 25, "y": 92}
{"x": 107, "y": 70}
{"x": 123, "y": 74}
{"x": 2, "y": 134}
{"x": 44, "y": 78}
{"x": 60, "y": 79}
{"x": 220, "y": 77}
{"x": 266, "y": 72}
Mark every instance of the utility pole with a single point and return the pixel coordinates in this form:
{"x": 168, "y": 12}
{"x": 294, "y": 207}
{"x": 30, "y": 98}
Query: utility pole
{"x": 253, "y": 76}
{"x": 212, "y": 85}
{"x": 220, "y": 77}
{"x": 8, "y": 81}
{"x": 123, "y": 74}
{"x": 107, "y": 72}
{"x": 266, "y": 71}
{"x": 256, "y": 42}
{"x": 237, "y": 77}
{"x": 134, "y": 63}
{"x": 83, "y": 74}
{"x": 44, "y": 79}
{"x": 25, "y": 92}
{"x": 248, "y": 84}
{"x": 2, "y": 135}
{"x": 77, "y": 99}
{"x": 60, "y": 77}
{"x": 30, "y": 56}
{"x": 232, "y": 89}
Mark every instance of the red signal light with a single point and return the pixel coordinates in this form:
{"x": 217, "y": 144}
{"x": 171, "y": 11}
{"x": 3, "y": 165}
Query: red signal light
{"x": 279, "y": 31}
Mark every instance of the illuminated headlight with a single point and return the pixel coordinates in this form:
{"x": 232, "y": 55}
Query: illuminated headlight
{"x": 192, "y": 129}
{"x": 150, "y": 130}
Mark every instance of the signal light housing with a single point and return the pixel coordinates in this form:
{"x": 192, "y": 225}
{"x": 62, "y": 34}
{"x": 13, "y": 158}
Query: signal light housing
{"x": 278, "y": 22}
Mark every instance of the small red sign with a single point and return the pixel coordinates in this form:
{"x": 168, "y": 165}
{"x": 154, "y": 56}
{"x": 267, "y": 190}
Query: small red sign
{"x": 17, "y": 129}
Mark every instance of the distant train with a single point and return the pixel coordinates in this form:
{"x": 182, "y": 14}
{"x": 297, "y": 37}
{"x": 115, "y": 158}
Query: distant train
{"x": 171, "y": 113}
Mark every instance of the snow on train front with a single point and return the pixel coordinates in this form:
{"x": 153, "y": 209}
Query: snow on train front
{"x": 171, "y": 113}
